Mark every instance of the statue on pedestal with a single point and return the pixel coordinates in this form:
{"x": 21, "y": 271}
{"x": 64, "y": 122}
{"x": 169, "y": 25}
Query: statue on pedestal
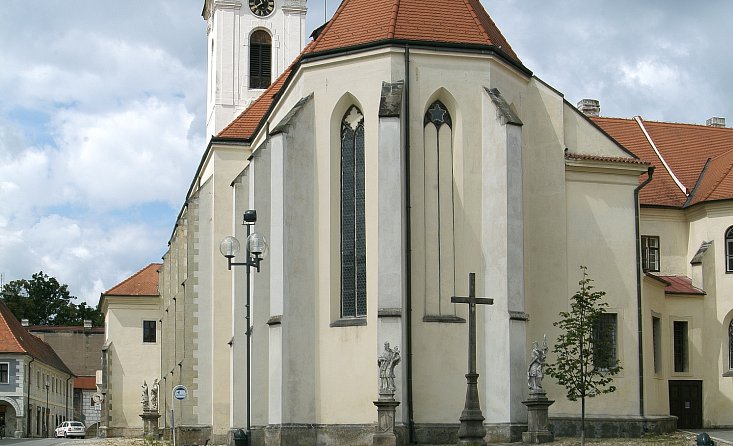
{"x": 145, "y": 398}
{"x": 387, "y": 362}
{"x": 154, "y": 396}
{"x": 536, "y": 366}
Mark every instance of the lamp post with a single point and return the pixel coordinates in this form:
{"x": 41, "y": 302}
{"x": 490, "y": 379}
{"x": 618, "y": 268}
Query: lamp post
{"x": 47, "y": 411}
{"x": 255, "y": 250}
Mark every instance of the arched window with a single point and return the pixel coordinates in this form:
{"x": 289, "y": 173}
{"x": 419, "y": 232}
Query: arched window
{"x": 730, "y": 345}
{"x": 433, "y": 201}
{"x": 260, "y": 59}
{"x": 729, "y": 250}
{"x": 353, "y": 234}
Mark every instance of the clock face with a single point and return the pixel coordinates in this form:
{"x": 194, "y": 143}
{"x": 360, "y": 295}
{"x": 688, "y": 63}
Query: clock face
{"x": 262, "y": 8}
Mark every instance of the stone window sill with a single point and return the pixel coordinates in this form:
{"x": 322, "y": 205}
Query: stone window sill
{"x": 349, "y": 322}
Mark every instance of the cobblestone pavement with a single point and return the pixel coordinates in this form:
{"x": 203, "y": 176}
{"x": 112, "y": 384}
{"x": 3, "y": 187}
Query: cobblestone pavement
{"x": 677, "y": 439}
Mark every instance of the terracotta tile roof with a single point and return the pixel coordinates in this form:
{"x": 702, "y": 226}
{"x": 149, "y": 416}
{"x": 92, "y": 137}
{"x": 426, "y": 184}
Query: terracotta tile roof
{"x": 360, "y": 22}
{"x": 85, "y": 382}
{"x": 612, "y": 159}
{"x": 64, "y": 329}
{"x": 14, "y": 338}
{"x": 679, "y": 285}
{"x": 142, "y": 283}
{"x": 686, "y": 149}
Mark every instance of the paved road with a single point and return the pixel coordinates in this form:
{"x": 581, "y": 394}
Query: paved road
{"x": 38, "y": 441}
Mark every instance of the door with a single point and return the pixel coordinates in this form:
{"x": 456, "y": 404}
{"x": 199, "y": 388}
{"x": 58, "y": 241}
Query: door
{"x": 685, "y": 402}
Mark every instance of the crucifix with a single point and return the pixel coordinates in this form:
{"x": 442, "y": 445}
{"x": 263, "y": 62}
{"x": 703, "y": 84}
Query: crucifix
{"x": 472, "y": 430}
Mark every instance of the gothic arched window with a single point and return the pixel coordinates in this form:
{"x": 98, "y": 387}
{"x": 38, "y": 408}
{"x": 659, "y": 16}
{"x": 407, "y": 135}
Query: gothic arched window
{"x": 353, "y": 233}
{"x": 729, "y": 250}
{"x": 434, "y": 208}
{"x": 260, "y": 59}
{"x": 730, "y": 345}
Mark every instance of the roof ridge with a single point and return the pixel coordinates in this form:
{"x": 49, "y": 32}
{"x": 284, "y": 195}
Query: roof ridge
{"x": 393, "y": 20}
{"x": 679, "y": 184}
{"x": 133, "y": 276}
{"x": 472, "y": 11}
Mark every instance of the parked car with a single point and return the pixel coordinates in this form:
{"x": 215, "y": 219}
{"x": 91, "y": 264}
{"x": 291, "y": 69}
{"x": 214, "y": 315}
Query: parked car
{"x": 71, "y": 429}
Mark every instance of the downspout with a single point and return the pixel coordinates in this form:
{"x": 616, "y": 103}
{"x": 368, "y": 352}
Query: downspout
{"x": 67, "y": 398}
{"x": 28, "y": 400}
{"x": 639, "y": 317}
{"x": 408, "y": 256}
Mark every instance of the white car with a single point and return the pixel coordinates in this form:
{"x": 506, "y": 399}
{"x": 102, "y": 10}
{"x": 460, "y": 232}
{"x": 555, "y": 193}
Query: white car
{"x": 71, "y": 429}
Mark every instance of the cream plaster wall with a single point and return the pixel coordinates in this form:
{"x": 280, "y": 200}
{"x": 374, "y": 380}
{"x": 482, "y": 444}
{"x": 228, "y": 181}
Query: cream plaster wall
{"x": 132, "y": 361}
{"x": 672, "y": 228}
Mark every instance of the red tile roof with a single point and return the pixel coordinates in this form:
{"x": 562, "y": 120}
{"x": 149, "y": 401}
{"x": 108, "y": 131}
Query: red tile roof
{"x": 612, "y": 159}
{"x": 462, "y": 22}
{"x": 14, "y": 338}
{"x": 679, "y": 285}
{"x": 357, "y": 23}
{"x": 685, "y": 148}
{"x": 142, "y": 283}
{"x": 85, "y": 382}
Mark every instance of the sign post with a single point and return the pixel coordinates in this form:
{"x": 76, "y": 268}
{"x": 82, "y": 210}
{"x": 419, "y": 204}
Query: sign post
{"x": 179, "y": 393}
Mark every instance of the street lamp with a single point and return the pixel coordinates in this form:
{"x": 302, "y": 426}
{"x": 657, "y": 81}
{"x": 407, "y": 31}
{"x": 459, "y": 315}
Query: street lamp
{"x": 256, "y": 248}
{"x": 47, "y": 410}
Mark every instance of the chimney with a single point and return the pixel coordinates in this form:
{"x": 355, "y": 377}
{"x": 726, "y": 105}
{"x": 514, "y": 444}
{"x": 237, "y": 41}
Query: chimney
{"x": 24, "y": 322}
{"x": 87, "y": 324}
{"x": 590, "y": 107}
{"x": 715, "y": 122}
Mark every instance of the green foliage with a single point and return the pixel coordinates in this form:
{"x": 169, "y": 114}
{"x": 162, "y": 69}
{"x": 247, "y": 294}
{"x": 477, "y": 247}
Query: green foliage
{"x": 44, "y": 301}
{"x": 580, "y": 342}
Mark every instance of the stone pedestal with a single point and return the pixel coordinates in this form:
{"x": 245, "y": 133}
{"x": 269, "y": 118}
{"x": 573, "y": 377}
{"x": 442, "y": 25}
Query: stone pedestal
{"x": 537, "y": 421}
{"x": 384, "y": 434}
{"x": 150, "y": 425}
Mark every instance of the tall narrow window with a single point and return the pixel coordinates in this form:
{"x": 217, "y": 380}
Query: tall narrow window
{"x": 4, "y": 373}
{"x": 657, "y": 343}
{"x": 433, "y": 200}
{"x": 650, "y": 253}
{"x": 353, "y": 227}
{"x": 605, "y": 335}
{"x": 149, "y": 331}
{"x": 730, "y": 345}
{"x": 729, "y": 250}
{"x": 679, "y": 345}
{"x": 260, "y": 59}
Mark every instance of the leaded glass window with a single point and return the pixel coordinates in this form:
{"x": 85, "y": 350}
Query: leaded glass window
{"x": 353, "y": 227}
{"x": 729, "y": 250}
{"x": 605, "y": 334}
{"x": 260, "y": 59}
{"x": 679, "y": 346}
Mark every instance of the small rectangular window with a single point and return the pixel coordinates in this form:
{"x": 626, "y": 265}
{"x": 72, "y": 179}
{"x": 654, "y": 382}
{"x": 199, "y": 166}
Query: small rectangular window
{"x": 149, "y": 331}
{"x": 657, "y": 343}
{"x": 681, "y": 359}
{"x": 650, "y": 253}
{"x": 4, "y": 373}
{"x": 605, "y": 334}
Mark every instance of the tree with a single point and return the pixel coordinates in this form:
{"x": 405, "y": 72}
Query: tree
{"x": 585, "y": 364}
{"x": 44, "y": 301}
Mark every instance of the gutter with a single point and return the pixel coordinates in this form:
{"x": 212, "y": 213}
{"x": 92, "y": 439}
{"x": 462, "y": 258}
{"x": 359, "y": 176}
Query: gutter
{"x": 408, "y": 258}
{"x": 639, "y": 317}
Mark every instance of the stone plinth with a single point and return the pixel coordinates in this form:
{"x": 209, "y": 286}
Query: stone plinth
{"x": 538, "y": 426}
{"x": 150, "y": 425}
{"x": 384, "y": 434}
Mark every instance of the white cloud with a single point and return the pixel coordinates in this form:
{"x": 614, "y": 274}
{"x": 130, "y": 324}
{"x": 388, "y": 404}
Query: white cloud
{"x": 652, "y": 75}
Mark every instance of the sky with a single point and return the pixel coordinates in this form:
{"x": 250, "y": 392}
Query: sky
{"x": 102, "y": 109}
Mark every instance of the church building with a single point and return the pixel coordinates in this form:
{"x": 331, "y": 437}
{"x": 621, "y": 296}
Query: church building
{"x": 402, "y": 147}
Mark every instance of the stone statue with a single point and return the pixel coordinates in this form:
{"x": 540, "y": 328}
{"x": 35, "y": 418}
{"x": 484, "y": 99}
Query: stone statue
{"x": 146, "y": 398}
{"x": 154, "y": 396}
{"x": 387, "y": 362}
{"x": 534, "y": 371}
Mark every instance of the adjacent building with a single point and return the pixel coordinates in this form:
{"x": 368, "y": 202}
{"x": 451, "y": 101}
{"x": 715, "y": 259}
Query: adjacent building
{"x": 131, "y": 353}
{"x": 36, "y": 387}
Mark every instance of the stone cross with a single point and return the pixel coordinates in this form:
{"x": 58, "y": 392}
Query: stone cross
{"x": 472, "y": 429}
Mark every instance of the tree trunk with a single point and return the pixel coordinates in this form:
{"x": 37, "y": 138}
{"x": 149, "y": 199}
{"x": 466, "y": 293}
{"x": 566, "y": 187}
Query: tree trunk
{"x": 582, "y": 421}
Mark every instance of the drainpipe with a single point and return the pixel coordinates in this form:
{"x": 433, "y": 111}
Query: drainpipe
{"x": 28, "y": 400}
{"x": 408, "y": 256}
{"x": 639, "y": 316}
{"x": 67, "y": 397}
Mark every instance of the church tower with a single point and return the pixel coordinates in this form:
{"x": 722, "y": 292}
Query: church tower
{"x": 250, "y": 43}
